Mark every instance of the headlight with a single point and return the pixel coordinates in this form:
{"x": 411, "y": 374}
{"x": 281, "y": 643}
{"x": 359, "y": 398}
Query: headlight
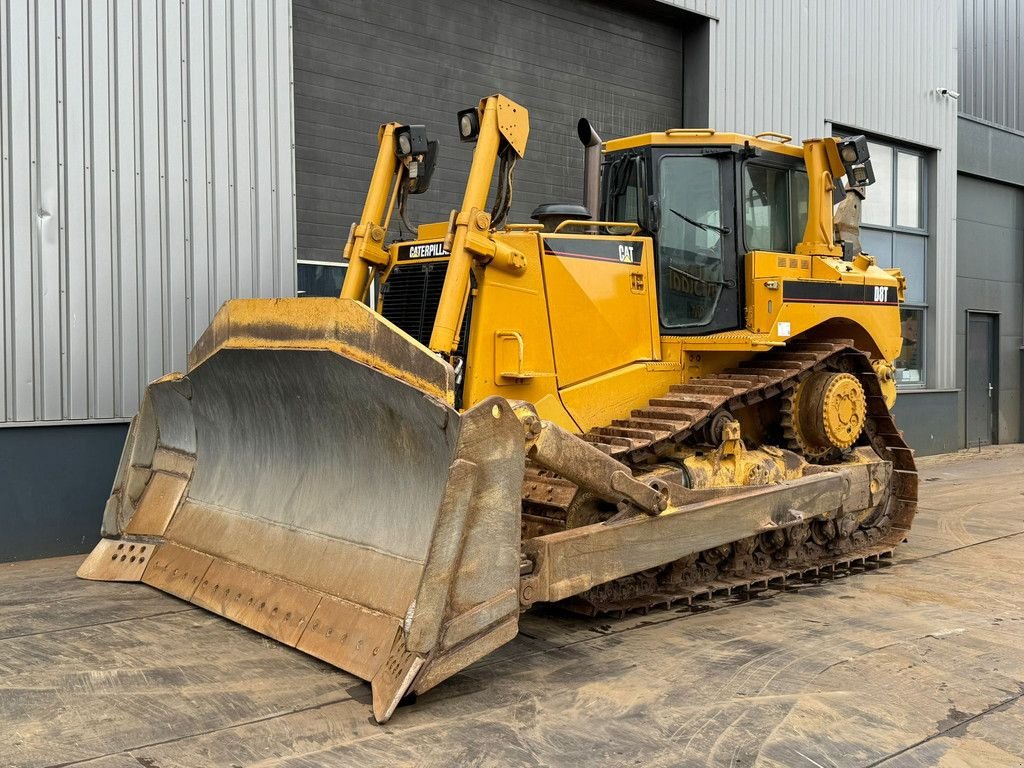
{"x": 856, "y": 160}
{"x": 410, "y": 140}
{"x": 469, "y": 124}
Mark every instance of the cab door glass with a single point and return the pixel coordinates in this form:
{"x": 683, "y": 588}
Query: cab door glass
{"x": 766, "y": 208}
{"x": 798, "y": 193}
{"x": 774, "y": 207}
{"x": 690, "y": 260}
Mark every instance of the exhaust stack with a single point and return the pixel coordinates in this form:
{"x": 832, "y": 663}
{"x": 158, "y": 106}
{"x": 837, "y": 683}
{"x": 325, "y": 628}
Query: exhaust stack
{"x": 591, "y": 167}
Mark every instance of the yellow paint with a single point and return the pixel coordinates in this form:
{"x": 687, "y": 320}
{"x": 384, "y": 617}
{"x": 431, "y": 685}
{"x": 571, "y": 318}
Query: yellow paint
{"x": 821, "y": 159}
{"x": 597, "y": 401}
{"x": 580, "y": 338}
{"x": 600, "y": 310}
{"x": 573, "y": 334}
{"x": 844, "y": 410}
{"x": 468, "y": 240}
{"x": 364, "y": 249}
{"x": 679, "y": 137}
{"x": 341, "y": 326}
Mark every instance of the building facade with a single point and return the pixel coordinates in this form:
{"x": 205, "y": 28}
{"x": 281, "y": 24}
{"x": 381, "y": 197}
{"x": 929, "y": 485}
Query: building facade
{"x": 990, "y": 223}
{"x": 147, "y": 176}
{"x": 159, "y": 159}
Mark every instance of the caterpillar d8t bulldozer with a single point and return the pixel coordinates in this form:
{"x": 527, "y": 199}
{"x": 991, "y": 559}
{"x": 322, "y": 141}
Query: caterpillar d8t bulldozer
{"x": 680, "y": 388}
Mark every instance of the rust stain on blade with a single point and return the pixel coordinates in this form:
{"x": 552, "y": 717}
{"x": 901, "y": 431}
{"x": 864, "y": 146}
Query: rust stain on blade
{"x": 349, "y": 636}
{"x": 157, "y": 505}
{"x": 394, "y": 678}
{"x": 323, "y": 564}
{"x": 272, "y": 607}
{"x": 117, "y": 560}
{"x": 177, "y": 570}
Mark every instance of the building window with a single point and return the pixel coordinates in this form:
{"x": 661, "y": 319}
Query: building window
{"x": 894, "y": 229}
{"x": 319, "y": 278}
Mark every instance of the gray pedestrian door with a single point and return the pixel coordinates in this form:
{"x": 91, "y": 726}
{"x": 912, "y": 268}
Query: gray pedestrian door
{"x": 982, "y": 384}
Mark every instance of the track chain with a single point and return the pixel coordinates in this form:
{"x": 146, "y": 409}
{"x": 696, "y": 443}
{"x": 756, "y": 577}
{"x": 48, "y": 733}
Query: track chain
{"x": 678, "y": 417}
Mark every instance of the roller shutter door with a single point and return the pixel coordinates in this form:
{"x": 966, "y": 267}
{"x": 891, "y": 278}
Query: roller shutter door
{"x": 358, "y": 63}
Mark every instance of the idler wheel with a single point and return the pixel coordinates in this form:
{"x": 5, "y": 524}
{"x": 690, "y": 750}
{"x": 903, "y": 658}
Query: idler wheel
{"x": 829, "y": 411}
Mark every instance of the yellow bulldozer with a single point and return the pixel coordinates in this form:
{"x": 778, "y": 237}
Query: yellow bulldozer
{"x": 680, "y": 388}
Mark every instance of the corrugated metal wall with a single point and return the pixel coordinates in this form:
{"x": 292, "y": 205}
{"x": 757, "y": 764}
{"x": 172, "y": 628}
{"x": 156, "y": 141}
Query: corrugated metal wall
{"x": 875, "y": 66}
{"x": 992, "y": 61}
{"x": 147, "y": 176}
{"x": 561, "y": 59}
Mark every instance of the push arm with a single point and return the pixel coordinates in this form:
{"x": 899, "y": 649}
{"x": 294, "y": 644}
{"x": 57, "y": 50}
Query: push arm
{"x": 503, "y": 127}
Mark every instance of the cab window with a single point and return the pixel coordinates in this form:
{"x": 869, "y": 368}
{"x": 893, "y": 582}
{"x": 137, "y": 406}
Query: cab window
{"x": 774, "y": 207}
{"x": 622, "y": 189}
{"x": 690, "y": 259}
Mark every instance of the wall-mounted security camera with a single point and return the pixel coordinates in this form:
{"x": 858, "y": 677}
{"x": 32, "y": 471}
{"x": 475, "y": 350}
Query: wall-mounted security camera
{"x": 954, "y": 95}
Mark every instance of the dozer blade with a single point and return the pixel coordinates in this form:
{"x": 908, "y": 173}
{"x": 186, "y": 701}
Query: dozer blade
{"x": 309, "y": 479}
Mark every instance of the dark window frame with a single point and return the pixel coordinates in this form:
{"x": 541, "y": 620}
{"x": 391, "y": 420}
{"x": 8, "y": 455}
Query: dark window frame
{"x": 925, "y": 231}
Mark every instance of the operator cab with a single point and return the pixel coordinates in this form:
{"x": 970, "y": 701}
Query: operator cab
{"x": 706, "y": 199}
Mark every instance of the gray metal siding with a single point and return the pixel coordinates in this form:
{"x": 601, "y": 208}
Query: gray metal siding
{"x": 786, "y": 66}
{"x": 990, "y": 278}
{"x": 619, "y": 66}
{"x": 147, "y": 176}
{"x": 992, "y": 61}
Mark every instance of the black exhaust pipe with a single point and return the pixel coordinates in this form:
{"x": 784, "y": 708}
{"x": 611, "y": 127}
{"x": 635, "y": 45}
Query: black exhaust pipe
{"x": 591, "y": 167}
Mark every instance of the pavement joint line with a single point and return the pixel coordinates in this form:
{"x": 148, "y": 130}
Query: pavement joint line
{"x": 919, "y": 558}
{"x": 98, "y": 624}
{"x": 128, "y": 750}
{"x": 944, "y": 731}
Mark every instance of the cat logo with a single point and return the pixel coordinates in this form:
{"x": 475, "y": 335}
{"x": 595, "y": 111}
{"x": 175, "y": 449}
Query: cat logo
{"x": 626, "y": 253}
{"x": 882, "y": 294}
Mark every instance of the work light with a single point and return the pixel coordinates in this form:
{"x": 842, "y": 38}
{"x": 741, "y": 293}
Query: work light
{"x": 410, "y": 140}
{"x": 856, "y": 161}
{"x": 854, "y": 150}
{"x": 469, "y": 124}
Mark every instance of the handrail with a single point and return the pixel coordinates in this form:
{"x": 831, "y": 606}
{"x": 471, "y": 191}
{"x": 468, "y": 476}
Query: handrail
{"x": 782, "y": 137}
{"x": 524, "y": 227}
{"x": 588, "y": 223}
{"x": 691, "y": 131}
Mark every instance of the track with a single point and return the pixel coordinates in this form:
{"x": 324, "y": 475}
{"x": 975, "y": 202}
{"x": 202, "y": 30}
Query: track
{"x": 682, "y": 416}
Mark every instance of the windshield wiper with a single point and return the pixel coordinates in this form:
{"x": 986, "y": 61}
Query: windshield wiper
{"x": 701, "y": 224}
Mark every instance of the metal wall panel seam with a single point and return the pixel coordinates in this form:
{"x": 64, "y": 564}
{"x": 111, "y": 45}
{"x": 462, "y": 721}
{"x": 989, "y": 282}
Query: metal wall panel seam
{"x": 126, "y": 296}
{"x": 220, "y": 170}
{"x": 102, "y": 316}
{"x": 178, "y": 173}
{"x": 287, "y": 117}
{"x": 259, "y": 68}
{"x": 242, "y": 154}
{"x": 202, "y": 198}
{"x": 147, "y": 141}
{"x": 6, "y": 204}
{"x": 195, "y": 222}
{"x": 76, "y": 224}
{"x": 48, "y": 278}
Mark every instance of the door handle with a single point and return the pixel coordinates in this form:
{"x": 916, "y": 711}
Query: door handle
{"x": 990, "y": 389}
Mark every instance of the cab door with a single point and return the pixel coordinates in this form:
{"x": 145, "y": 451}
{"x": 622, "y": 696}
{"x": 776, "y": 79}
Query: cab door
{"x": 685, "y": 199}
